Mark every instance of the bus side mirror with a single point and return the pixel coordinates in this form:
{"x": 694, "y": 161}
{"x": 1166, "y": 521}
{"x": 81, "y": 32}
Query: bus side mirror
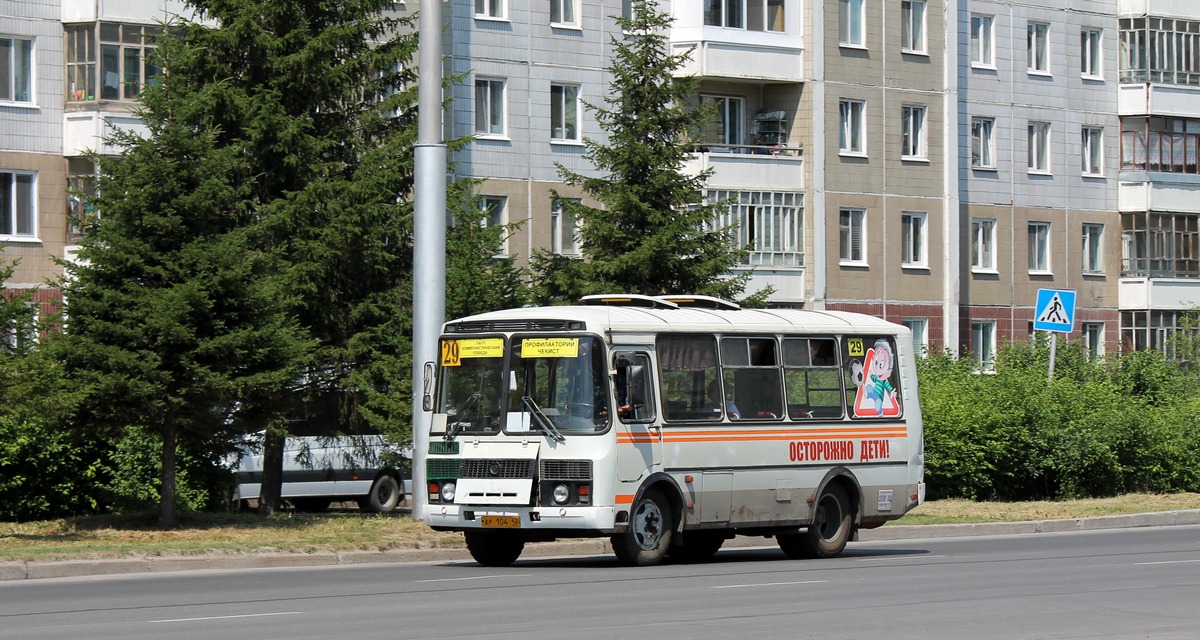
{"x": 635, "y": 384}
{"x": 427, "y": 397}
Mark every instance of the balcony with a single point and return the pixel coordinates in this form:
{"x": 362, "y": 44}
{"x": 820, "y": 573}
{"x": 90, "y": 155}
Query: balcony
{"x": 778, "y": 167}
{"x": 1158, "y": 293}
{"x": 755, "y": 40}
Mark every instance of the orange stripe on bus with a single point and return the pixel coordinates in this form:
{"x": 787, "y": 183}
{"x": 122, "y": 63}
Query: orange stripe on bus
{"x": 625, "y": 499}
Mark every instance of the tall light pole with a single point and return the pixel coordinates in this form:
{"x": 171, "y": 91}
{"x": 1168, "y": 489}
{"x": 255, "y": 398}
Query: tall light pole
{"x": 429, "y": 232}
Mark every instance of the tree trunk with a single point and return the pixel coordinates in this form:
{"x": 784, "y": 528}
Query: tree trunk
{"x": 166, "y": 502}
{"x": 272, "y": 470}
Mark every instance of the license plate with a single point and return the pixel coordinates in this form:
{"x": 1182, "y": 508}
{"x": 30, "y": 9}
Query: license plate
{"x": 511, "y": 522}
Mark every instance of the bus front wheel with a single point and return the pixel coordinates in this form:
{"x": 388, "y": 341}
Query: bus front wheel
{"x": 494, "y": 549}
{"x": 646, "y": 540}
{"x": 826, "y": 537}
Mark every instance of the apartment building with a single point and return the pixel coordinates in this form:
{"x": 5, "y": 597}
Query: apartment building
{"x": 32, "y": 170}
{"x": 1159, "y": 192}
{"x": 934, "y": 162}
{"x": 1037, "y": 125}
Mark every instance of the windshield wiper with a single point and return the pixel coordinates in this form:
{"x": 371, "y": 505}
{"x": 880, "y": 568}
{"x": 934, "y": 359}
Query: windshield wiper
{"x": 453, "y": 428}
{"x": 542, "y": 419}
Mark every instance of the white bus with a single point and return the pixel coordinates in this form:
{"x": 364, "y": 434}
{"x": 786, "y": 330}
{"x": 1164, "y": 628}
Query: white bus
{"x": 671, "y": 424}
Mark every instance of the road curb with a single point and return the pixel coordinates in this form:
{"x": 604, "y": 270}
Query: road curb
{"x": 36, "y": 570}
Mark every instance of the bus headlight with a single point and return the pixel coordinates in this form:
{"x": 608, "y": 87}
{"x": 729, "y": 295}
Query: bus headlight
{"x": 561, "y": 494}
{"x": 447, "y": 492}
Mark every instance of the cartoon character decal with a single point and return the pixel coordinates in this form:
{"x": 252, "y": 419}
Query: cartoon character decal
{"x": 876, "y": 396}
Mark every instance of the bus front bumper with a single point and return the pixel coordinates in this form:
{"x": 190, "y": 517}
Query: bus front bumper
{"x": 459, "y": 517}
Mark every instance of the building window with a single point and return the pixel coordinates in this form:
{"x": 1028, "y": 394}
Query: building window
{"x": 1160, "y": 50}
{"x": 564, "y": 112}
{"x": 726, "y": 126}
{"x": 1160, "y": 245}
{"x": 1039, "y": 247}
{"x": 920, "y": 335}
{"x": 983, "y": 146}
{"x": 16, "y": 69}
{"x": 1093, "y": 248}
{"x": 852, "y": 225}
{"x": 913, "y": 239}
{"x": 494, "y": 210}
{"x": 627, "y": 9}
{"x": 1039, "y": 147}
{"x": 123, "y": 55}
{"x": 851, "y": 135}
{"x": 753, "y": 15}
{"x": 489, "y": 107}
{"x": 489, "y": 8}
{"x": 912, "y": 144}
{"x": 983, "y": 52}
{"x": 18, "y": 217}
{"x": 983, "y": 344}
{"x": 564, "y": 12}
{"x": 769, "y": 222}
{"x": 912, "y": 26}
{"x": 983, "y": 245}
{"x": 1038, "y": 47}
{"x": 1091, "y": 53}
{"x": 1093, "y": 151}
{"x": 1093, "y": 338}
{"x": 81, "y": 186}
{"x": 564, "y": 229}
{"x": 21, "y": 333}
{"x": 850, "y": 23}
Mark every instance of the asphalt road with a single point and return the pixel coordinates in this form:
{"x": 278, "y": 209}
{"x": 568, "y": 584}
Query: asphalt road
{"x": 1116, "y": 583}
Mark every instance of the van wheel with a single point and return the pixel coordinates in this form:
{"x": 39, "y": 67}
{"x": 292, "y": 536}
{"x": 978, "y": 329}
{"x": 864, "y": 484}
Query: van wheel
{"x": 494, "y": 549}
{"x": 646, "y": 540}
{"x": 826, "y": 537}
{"x": 385, "y": 496}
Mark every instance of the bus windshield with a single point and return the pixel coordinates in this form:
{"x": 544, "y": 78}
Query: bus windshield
{"x": 551, "y": 384}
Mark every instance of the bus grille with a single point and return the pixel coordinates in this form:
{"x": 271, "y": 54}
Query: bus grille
{"x": 441, "y": 469}
{"x": 566, "y": 469}
{"x": 495, "y": 469}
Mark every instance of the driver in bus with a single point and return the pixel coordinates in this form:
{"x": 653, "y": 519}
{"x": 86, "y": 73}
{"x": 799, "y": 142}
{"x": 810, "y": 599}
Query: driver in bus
{"x": 714, "y": 398}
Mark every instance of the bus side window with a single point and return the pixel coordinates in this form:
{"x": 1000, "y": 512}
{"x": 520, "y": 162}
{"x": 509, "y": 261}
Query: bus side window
{"x": 812, "y": 378}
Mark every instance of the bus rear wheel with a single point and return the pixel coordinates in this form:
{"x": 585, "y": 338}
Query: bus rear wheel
{"x": 494, "y": 549}
{"x": 826, "y": 537}
{"x": 648, "y": 537}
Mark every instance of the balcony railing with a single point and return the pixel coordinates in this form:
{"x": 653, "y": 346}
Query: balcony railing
{"x": 754, "y": 149}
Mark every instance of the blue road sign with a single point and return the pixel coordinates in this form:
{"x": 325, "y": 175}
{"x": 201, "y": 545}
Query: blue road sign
{"x": 1055, "y": 310}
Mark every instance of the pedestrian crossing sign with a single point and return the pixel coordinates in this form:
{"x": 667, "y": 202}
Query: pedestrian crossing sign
{"x": 1055, "y": 310}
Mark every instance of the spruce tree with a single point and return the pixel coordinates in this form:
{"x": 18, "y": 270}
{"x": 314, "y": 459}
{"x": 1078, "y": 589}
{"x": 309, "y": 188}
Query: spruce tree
{"x": 175, "y": 323}
{"x": 653, "y": 232}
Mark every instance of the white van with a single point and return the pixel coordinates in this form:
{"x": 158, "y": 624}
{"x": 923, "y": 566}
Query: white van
{"x": 321, "y": 470}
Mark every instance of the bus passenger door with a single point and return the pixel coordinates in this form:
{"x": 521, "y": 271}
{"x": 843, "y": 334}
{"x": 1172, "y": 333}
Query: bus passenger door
{"x": 639, "y": 434}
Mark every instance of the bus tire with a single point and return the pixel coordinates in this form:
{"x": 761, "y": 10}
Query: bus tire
{"x": 385, "y": 495}
{"x": 826, "y": 537}
{"x": 697, "y": 546}
{"x": 648, "y": 537}
{"x": 494, "y": 549}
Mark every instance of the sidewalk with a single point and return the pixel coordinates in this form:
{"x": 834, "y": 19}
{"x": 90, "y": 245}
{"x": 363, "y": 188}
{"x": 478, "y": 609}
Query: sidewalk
{"x": 154, "y": 564}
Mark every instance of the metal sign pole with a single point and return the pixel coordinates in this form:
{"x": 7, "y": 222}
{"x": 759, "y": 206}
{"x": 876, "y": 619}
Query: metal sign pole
{"x": 1053, "y": 349}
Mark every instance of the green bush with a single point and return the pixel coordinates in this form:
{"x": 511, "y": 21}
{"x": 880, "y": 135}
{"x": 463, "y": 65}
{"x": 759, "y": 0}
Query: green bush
{"x": 1101, "y": 428}
{"x": 45, "y": 474}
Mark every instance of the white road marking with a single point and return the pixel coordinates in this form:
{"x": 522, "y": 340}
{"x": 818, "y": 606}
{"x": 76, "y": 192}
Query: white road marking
{"x": 897, "y": 558}
{"x": 1168, "y": 562}
{"x": 247, "y": 615}
{"x": 518, "y": 575}
{"x": 766, "y": 584}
